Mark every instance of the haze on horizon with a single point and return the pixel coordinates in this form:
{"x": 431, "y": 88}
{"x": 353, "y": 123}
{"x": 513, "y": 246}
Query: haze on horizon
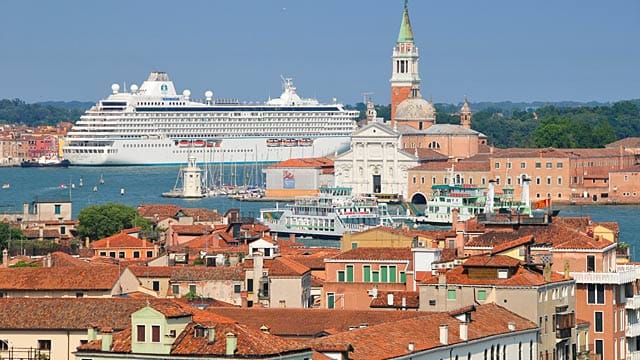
{"x": 489, "y": 51}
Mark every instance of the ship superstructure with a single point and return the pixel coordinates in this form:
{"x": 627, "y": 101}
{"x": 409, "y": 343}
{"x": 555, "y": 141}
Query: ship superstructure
{"x": 154, "y": 125}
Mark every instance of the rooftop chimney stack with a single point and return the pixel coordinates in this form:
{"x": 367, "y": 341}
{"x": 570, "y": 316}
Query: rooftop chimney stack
{"x": 232, "y": 344}
{"x": 464, "y": 331}
{"x": 512, "y": 326}
{"x": 5, "y": 258}
{"x": 444, "y": 334}
{"x": 411, "y": 347}
{"x": 211, "y": 335}
{"x": 107, "y": 339}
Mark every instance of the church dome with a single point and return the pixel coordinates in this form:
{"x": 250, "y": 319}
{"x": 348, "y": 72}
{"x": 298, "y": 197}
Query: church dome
{"x": 415, "y": 109}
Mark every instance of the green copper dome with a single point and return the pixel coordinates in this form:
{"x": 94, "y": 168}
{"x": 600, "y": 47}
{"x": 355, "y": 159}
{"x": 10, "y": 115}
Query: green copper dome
{"x": 406, "y": 34}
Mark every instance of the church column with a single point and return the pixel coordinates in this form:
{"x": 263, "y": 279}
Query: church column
{"x": 354, "y": 164}
{"x": 384, "y": 183}
{"x": 365, "y": 169}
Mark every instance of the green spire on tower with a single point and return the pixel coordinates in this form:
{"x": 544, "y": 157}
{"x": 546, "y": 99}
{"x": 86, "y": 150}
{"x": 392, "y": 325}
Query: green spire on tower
{"x": 406, "y": 34}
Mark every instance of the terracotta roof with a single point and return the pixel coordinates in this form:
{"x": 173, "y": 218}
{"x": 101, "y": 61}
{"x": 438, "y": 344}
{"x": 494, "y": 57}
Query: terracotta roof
{"x": 373, "y": 342}
{"x": 304, "y": 163}
{"x": 528, "y": 239}
{"x": 632, "y": 168}
{"x": 425, "y": 154}
{"x": 195, "y": 229}
{"x": 500, "y": 261}
{"x": 287, "y": 267}
{"x": 380, "y": 253}
{"x": 59, "y": 278}
{"x": 411, "y": 300}
{"x": 60, "y": 259}
{"x": 202, "y": 273}
{"x": 152, "y": 271}
{"x": 315, "y": 320}
{"x": 629, "y": 142}
{"x": 531, "y": 153}
{"x": 522, "y": 277}
{"x": 162, "y": 211}
{"x": 121, "y": 240}
{"x": 69, "y": 313}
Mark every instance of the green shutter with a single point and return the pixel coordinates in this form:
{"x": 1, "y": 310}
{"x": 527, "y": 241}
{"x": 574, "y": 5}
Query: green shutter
{"x": 376, "y": 276}
{"x": 451, "y": 294}
{"x": 354, "y": 245}
{"x": 349, "y": 273}
{"x": 341, "y": 276}
{"x": 482, "y": 295}
{"x": 403, "y": 277}
{"x": 392, "y": 274}
{"x": 367, "y": 273}
{"x": 330, "y": 301}
{"x": 383, "y": 276}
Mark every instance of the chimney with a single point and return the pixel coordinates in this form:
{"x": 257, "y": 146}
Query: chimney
{"x": 92, "y": 333}
{"x": 390, "y": 299}
{"x": 5, "y": 258}
{"x": 48, "y": 260}
{"x": 547, "y": 272}
{"x": 232, "y": 344}
{"x": 567, "y": 268}
{"x": 444, "y": 334}
{"x": 512, "y": 326}
{"x": 86, "y": 242}
{"x": 454, "y": 217}
{"x": 292, "y": 238}
{"x": 107, "y": 339}
{"x": 411, "y": 347}
{"x": 464, "y": 331}
{"x": 108, "y": 243}
{"x": 442, "y": 279}
{"x": 404, "y": 302}
{"x": 211, "y": 334}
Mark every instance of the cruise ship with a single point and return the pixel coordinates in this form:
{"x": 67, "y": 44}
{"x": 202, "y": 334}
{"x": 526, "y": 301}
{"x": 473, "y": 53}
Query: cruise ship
{"x": 154, "y": 125}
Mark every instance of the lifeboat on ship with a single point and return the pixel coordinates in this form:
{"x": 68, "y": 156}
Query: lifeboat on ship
{"x": 305, "y": 142}
{"x": 273, "y": 142}
{"x": 290, "y": 142}
{"x": 199, "y": 143}
{"x": 184, "y": 143}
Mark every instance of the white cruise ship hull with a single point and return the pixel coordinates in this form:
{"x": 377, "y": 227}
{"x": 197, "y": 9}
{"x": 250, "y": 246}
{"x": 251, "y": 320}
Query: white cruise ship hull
{"x": 167, "y": 152}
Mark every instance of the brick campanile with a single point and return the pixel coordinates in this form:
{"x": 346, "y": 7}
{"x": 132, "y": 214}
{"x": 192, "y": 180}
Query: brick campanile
{"x": 404, "y": 73}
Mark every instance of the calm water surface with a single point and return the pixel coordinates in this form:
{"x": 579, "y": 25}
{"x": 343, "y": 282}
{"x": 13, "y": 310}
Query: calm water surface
{"x": 145, "y": 184}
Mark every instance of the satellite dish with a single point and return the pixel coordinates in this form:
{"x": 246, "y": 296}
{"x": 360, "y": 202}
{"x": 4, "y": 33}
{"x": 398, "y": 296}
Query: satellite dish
{"x": 186, "y": 93}
{"x": 208, "y": 94}
{"x": 115, "y": 88}
{"x": 134, "y": 88}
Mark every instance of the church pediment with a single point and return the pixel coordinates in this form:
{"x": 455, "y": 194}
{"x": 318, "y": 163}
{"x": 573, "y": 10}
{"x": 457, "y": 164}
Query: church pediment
{"x": 375, "y": 130}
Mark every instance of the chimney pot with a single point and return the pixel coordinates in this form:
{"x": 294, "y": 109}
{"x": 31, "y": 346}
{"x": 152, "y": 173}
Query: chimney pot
{"x": 411, "y": 347}
{"x": 232, "y": 344}
{"x": 512, "y": 326}
{"x": 211, "y": 335}
{"x": 464, "y": 331}
{"x": 390, "y": 299}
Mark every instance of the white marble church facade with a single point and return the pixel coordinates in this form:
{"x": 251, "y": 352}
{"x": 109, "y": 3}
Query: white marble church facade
{"x": 375, "y": 163}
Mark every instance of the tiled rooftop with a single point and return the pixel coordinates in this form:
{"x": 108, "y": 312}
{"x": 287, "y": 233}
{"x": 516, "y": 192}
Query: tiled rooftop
{"x": 121, "y": 240}
{"x": 365, "y": 253}
{"x": 59, "y": 278}
{"x": 202, "y": 273}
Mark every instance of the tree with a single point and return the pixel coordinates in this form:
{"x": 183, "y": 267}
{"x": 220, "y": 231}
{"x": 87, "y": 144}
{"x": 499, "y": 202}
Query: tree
{"x": 7, "y": 234}
{"x": 99, "y": 221}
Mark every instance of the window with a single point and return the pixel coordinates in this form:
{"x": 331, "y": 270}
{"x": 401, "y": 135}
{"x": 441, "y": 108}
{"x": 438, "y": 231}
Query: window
{"x": 538, "y": 180}
{"x": 44, "y": 344}
{"x": 559, "y": 180}
{"x": 403, "y": 277}
{"x": 598, "y": 326}
{"x": 79, "y": 295}
{"x": 176, "y": 290}
{"x": 538, "y": 165}
{"x": 595, "y": 294}
{"x": 331, "y": 300}
{"x": 497, "y": 165}
{"x": 549, "y": 165}
{"x": 375, "y": 276}
{"x": 508, "y": 165}
{"x": 121, "y": 254}
{"x": 4, "y": 345}
{"x": 192, "y": 288}
{"x": 140, "y": 333}
{"x": 57, "y": 209}
{"x": 482, "y": 295}
{"x": 384, "y": 274}
{"x": 591, "y": 263}
{"x": 237, "y": 288}
{"x": 103, "y": 253}
{"x": 112, "y": 254}
{"x": 149, "y": 254}
{"x": 523, "y": 165}
{"x": 600, "y": 348}
{"x": 354, "y": 245}
{"x": 559, "y": 165}
{"x": 349, "y": 273}
{"x": 136, "y": 254}
{"x": 366, "y": 273}
{"x": 341, "y": 276}
{"x": 155, "y": 333}
{"x": 156, "y": 285}
{"x": 451, "y": 294}
{"x": 548, "y": 180}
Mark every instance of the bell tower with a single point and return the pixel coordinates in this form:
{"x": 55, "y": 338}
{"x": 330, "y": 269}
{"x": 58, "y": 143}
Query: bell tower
{"x": 404, "y": 72}
{"x": 465, "y": 115}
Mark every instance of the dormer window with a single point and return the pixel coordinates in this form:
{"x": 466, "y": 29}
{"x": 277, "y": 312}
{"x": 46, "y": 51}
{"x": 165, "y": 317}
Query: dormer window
{"x": 199, "y": 332}
{"x": 140, "y": 333}
{"x": 503, "y": 273}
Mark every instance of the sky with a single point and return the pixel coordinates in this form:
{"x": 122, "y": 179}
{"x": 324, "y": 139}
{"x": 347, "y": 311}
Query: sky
{"x": 498, "y": 50}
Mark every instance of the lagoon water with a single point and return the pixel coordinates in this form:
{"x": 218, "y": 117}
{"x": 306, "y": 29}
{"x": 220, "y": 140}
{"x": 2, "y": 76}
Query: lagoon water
{"x": 145, "y": 184}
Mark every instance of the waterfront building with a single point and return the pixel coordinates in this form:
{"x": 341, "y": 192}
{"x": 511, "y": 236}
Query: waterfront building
{"x": 375, "y": 163}
{"x": 126, "y": 247}
{"x": 298, "y": 177}
{"x": 624, "y": 185}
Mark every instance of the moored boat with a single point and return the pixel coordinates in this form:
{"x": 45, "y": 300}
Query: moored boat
{"x": 46, "y": 161}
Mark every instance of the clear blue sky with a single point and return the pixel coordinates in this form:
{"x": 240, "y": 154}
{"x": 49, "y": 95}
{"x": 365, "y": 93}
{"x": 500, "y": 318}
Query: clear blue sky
{"x": 488, "y": 50}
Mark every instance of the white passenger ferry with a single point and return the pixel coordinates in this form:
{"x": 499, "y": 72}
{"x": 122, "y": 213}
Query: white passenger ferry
{"x": 329, "y": 215}
{"x": 153, "y": 125}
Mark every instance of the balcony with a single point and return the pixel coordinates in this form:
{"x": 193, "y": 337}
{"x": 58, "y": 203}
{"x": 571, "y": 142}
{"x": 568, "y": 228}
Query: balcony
{"x": 633, "y": 303}
{"x": 633, "y": 355}
{"x": 622, "y": 276}
{"x": 633, "y": 330}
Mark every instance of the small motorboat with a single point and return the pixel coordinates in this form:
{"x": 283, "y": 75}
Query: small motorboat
{"x": 6, "y": 186}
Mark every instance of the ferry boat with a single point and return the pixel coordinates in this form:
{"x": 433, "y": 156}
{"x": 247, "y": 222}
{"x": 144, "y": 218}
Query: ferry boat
{"x": 471, "y": 201}
{"x": 154, "y": 125}
{"x": 46, "y": 161}
{"x": 329, "y": 215}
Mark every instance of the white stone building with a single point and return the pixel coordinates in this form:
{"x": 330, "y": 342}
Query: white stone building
{"x": 375, "y": 163}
